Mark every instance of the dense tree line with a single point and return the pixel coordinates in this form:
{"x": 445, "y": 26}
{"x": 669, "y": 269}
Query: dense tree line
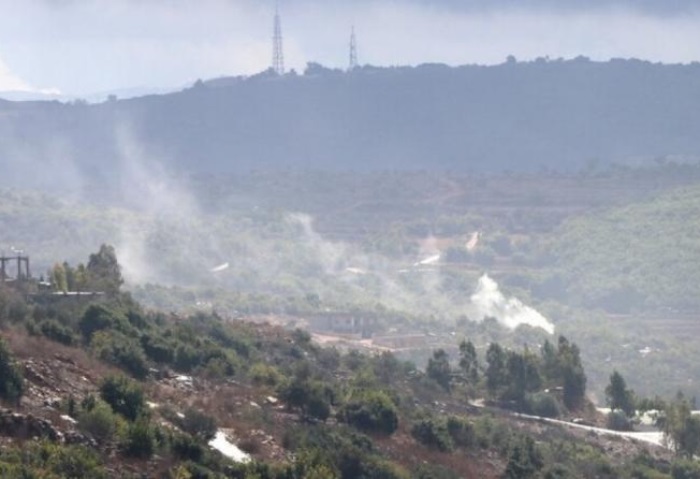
{"x": 523, "y": 380}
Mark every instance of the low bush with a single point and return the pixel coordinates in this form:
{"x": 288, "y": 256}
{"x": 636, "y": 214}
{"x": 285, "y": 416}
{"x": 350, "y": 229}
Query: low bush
{"x": 618, "y": 421}
{"x": 99, "y": 421}
{"x": 433, "y": 434}
{"x": 122, "y": 351}
{"x": 198, "y": 424}
{"x": 139, "y": 440}
{"x": 186, "y": 448}
{"x": 371, "y": 411}
{"x": 461, "y": 431}
{"x": 264, "y": 374}
{"x": 55, "y": 331}
{"x": 124, "y": 396}
{"x": 543, "y": 404}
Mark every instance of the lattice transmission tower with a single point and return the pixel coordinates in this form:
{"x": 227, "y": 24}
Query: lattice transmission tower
{"x": 277, "y": 45}
{"x": 353, "y": 50}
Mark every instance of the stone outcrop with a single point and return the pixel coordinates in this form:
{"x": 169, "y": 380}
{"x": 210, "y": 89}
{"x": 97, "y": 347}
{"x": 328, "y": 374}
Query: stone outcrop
{"x": 27, "y": 426}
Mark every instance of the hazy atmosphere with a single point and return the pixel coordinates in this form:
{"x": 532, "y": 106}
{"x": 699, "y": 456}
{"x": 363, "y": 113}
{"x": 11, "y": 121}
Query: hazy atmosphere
{"x": 392, "y": 239}
{"x": 45, "y": 45}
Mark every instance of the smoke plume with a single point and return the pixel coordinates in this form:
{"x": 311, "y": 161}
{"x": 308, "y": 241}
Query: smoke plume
{"x": 489, "y": 302}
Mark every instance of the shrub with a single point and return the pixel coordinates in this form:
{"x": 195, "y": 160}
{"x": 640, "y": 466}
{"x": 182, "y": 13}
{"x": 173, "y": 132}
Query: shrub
{"x": 685, "y": 469}
{"x": 123, "y": 395}
{"x": 157, "y": 349}
{"x": 198, "y": 424}
{"x": 98, "y": 317}
{"x": 99, "y": 421}
{"x": 433, "y": 434}
{"x": 311, "y": 397}
{"x": 187, "y": 358}
{"x": 11, "y": 380}
{"x": 371, "y": 411}
{"x": 524, "y": 459}
{"x": 55, "y": 331}
{"x": 139, "y": 440}
{"x": 264, "y": 374}
{"x": 317, "y": 406}
{"x": 618, "y": 421}
{"x": 121, "y": 351}
{"x": 218, "y": 368}
{"x": 186, "y": 448}
{"x": 461, "y": 431}
{"x": 543, "y": 404}
{"x": 222, "y": 336}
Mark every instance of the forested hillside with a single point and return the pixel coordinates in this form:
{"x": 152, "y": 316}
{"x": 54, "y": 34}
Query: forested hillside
{"x": 514, "y": 116}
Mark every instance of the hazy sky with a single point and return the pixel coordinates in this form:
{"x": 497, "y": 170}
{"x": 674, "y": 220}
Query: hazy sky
{"x": 87, "y": 46}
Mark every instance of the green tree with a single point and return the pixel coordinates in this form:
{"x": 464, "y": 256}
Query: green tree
{"x": 572, "y": 374}
{"x": 80, "y": 278}
{"x": 387, "y": 368}
{"x": 371, "y": 411}
{"x": 550, "y": 363}
{"x": 312, "y": 398}
{"x": 98, "y": 317}
{"x": 433, "y": 434}
{"x": 140, "y": 439}
{"x": 70, "y": 276}
{"x": 681, "y": 428}
{"x": 496, "y": 375}
{"x": 58, "y": 278}
{"x": 522, "y": 377}
{"x": 439, "y": 368}
{"x": 123, "y": 395}
{"x": 618, "y": 396}
{"x": 103, "y": 270}
{"x": 469, "y": 362}
{"x": 99, "y": 421}
{"x": 524, "y": 460}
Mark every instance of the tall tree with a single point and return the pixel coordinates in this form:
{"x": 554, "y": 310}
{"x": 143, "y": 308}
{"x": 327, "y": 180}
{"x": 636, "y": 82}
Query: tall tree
{"x": 468, "y": 362}
{"x": 618, "y": 396}
{"x": 681, "y": 428}
{"x": 58, "y": 278}
{"x": 439, "y": 368}
{"x": 496, "y": 375}
{"x": 572, "y": 374}
{"x": 523, "y": 377}
{"x": 525, "y": 459}
{"x": 104, "y": 271}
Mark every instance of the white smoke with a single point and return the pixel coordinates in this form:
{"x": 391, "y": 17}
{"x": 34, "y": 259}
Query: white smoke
{"x": 489, "y": 302}
{"x": 332, "y": 256}
{"x": 163, "y": 236}
{"x": 414, "y": 289}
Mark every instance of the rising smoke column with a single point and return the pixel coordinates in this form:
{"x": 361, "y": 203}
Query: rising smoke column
{"x": 489, "y": 302}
